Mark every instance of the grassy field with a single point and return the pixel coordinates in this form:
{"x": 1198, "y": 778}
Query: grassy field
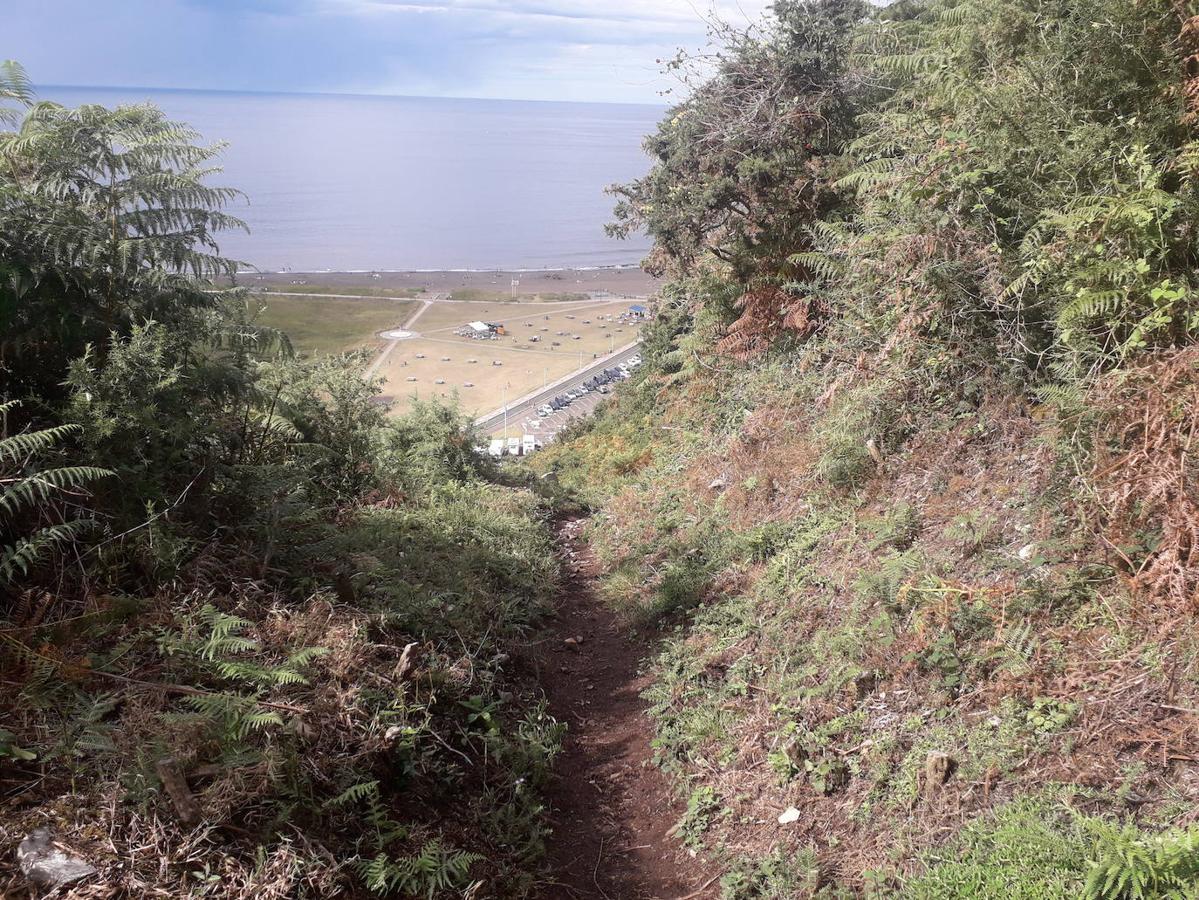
{"x": 524, "y": 365}
{"x": 327, "y": 325}
{"x": 569, "y": 336}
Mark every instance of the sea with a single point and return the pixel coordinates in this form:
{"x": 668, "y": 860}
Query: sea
{"x": 370, "y": 183}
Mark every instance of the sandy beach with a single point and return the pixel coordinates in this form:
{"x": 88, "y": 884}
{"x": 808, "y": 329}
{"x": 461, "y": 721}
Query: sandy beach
{"x": 629, "y": 282}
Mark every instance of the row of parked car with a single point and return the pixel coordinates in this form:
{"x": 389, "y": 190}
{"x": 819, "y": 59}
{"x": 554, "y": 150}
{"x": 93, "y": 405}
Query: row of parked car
{"x": 597, "y": 382}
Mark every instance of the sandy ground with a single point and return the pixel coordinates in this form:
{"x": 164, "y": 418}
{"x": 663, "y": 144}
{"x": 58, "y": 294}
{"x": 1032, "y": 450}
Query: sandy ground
{"x": 524, "y": 365}
{"x": 626, "y": 282}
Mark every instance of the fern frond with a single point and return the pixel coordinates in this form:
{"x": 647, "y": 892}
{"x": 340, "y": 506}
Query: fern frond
{"x": 19, "y": 557}
{"x": 21, "y": 446}
{"x": 820, "y": 264}
{"x": 356, "y": 793}
{"x": 29, "y": 491}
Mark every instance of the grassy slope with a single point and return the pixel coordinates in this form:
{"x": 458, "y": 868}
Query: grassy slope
{"x": 844, "y": 614}
{"x": 340, "y": 781}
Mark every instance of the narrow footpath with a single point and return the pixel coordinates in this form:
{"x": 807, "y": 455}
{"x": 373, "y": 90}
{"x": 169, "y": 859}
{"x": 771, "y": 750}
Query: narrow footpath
{"x": 611, "y": 809}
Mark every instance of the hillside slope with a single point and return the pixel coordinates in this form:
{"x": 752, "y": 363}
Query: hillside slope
{"x": 257, "y": 638}
{"x": 907, "y": 481}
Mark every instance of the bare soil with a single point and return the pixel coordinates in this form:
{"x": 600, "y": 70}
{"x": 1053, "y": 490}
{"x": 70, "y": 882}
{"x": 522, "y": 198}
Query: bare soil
{"x": 612, "y": 811}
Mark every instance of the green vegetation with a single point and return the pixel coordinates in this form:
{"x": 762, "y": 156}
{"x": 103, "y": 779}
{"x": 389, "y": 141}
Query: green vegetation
{"x": 906, "y": 489}
{"x": 256, "y": 638}
{"x": 906, "y": 482}
{"x": 1039, "y": 849}
{"x": 325, "y": 325}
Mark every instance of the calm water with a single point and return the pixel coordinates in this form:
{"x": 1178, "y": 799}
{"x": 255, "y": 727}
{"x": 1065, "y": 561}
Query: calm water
{"x": 344, "y": 183}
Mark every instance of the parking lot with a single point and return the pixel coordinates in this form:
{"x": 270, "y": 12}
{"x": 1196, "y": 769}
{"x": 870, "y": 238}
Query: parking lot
{"x": 553, "y": 414}
{"x": 534, "y": 344}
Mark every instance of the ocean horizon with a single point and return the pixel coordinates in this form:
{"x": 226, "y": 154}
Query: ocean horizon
{"x": 362, "y": 182}
{"x": 43, "y": 92}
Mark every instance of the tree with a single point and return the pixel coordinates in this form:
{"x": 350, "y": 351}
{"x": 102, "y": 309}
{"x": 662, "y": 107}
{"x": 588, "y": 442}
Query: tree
{"x": 743, "y": 167}
{"x": 106, "y": 220}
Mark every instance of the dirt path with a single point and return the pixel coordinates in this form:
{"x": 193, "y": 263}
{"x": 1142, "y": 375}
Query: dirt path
{"x": 374, "y": 367}
{"x": 611, "y": 808}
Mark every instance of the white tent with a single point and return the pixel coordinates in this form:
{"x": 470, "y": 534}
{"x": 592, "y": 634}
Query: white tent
{"x": 480, "y": 326}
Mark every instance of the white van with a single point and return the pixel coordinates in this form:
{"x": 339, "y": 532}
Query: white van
{"x": 513, "y": 446}
{"x": 529, "y": 444}
{"x": 496, "y": 449}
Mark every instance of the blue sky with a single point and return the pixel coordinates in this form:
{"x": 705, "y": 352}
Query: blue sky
{"x": 600, "y": 50}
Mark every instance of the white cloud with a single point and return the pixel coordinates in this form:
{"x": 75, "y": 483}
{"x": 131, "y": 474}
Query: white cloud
{"x": 530, "y": 49}
{"x": 561, "y": 49}
{"x": 683, "y": 15}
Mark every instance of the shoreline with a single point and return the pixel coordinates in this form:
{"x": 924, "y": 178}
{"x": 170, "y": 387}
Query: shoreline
{"x": 629, "y": 281}
{"x": 451, "y": 270}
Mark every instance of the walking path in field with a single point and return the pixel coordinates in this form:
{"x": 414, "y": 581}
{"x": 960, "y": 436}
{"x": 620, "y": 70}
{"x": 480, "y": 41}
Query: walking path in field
{"x": 612, "y": 811}
{"x": 577, "y": 306}
{"x": 374, "y": 367}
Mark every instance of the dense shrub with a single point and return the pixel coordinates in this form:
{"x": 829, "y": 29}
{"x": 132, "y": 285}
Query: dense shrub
{"x": 220, "y": 560}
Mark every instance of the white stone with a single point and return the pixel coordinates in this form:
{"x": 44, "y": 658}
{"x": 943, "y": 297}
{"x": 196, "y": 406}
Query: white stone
{"x": 790, "y": 815}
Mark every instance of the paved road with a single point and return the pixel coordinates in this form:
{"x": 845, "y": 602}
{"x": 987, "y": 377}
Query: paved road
{"x": 527, "y": 409}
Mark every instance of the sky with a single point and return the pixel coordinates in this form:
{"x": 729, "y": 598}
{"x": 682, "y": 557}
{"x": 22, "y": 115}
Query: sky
{"x": 581, "y": 50}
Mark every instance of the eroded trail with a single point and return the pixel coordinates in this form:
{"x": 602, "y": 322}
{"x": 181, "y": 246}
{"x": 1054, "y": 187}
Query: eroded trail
{"x": 612, "y": 809}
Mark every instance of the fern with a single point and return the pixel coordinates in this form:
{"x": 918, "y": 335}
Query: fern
{"x": 22, "y": 446}
{"x": 354, "y": 794}
{"x": 15, "y": 87}
{"x": 820, "y": 264}
{"x": 430, "y": 871}
{"x": 1130, "y": 865}
{"x": 238, "y": 717}
{"x": 34, "y": 494}
{"x": 33, "y": 489}
{"x": 19, "y": 557}
{"x": 214, "y": 643}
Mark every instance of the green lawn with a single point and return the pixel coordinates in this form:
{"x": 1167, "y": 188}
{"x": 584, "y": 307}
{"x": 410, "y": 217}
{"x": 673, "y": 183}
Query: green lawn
{"x": 320, "y": 325}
